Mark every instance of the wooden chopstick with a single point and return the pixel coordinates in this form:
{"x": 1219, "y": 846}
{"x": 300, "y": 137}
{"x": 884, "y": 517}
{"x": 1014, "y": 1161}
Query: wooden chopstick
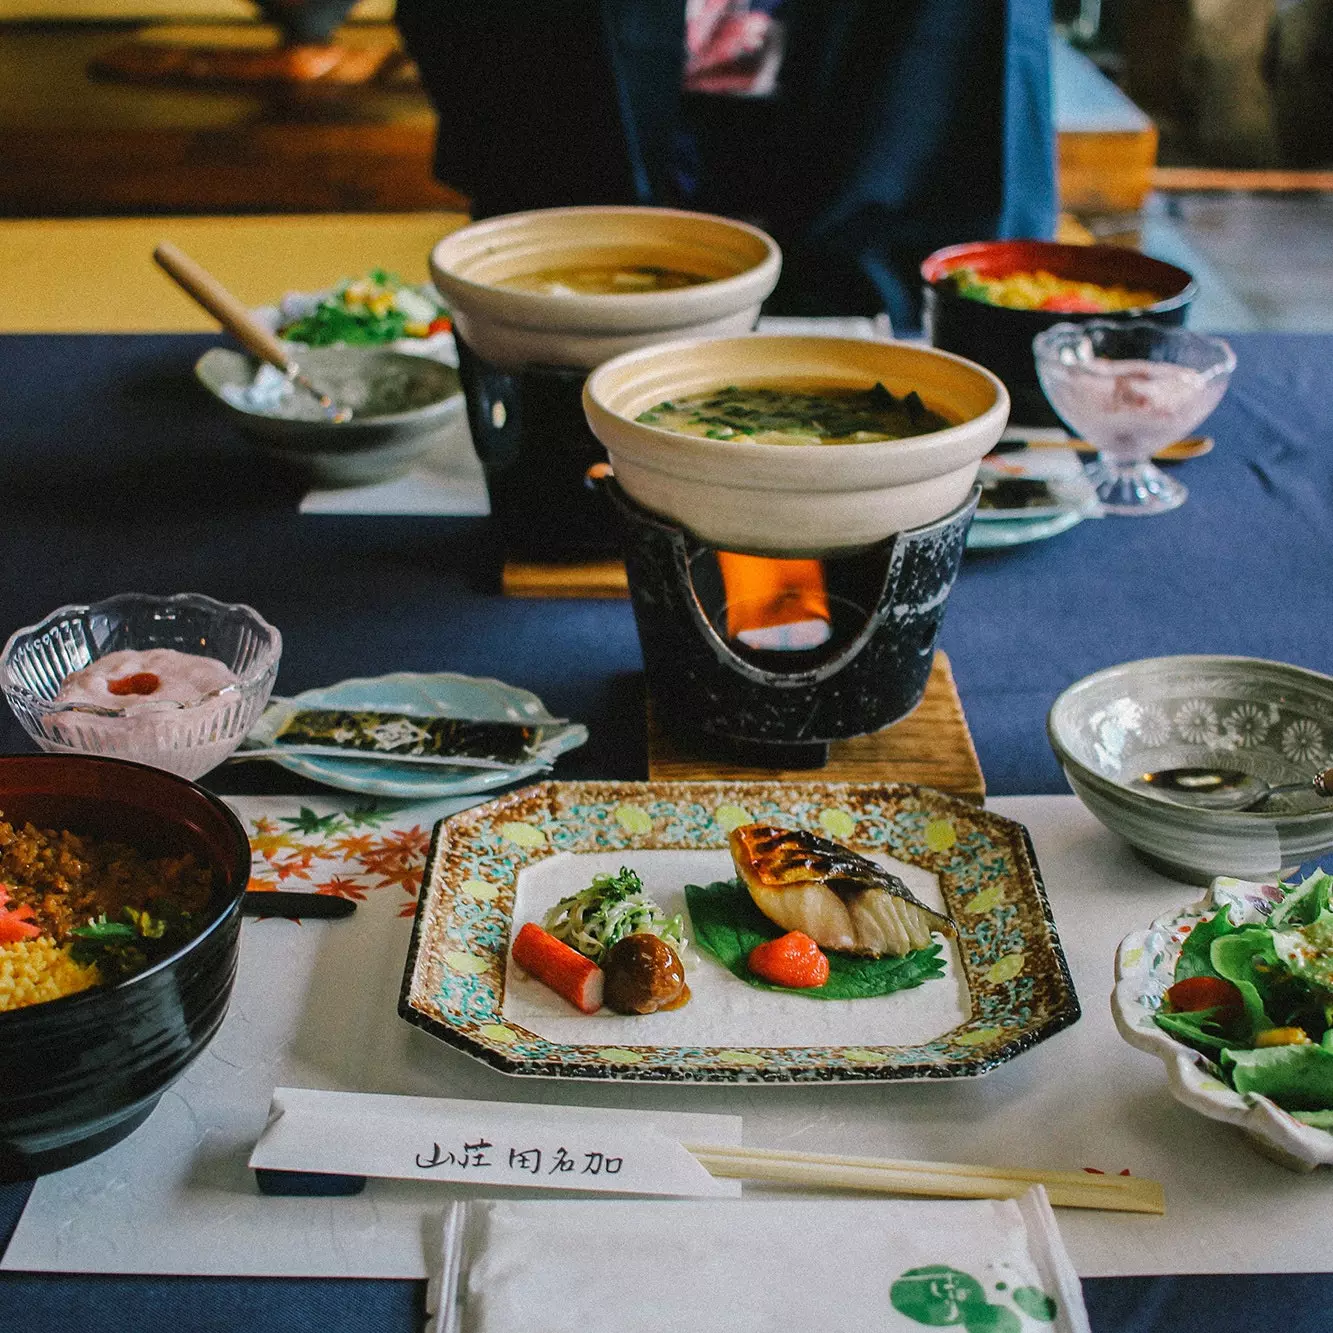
{"x": 1193, "y": 447}
{"x": 950, "y": 1180}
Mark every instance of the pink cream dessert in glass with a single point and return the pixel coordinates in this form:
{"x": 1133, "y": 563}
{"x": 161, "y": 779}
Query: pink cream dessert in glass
{"x": 1130, "y": 389}
{"x": 153, "y": 676}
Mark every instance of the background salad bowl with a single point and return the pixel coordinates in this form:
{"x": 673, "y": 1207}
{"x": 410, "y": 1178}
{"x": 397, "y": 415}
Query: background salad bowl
{"x": 1000, "y": 337}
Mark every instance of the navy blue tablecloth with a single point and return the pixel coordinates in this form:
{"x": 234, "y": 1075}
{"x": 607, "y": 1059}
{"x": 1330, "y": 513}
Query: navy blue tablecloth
{"x": 117, "y": 474}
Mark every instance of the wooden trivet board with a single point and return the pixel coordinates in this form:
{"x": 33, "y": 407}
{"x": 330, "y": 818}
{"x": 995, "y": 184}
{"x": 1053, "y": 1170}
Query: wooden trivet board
{"x": 930, "y": 747}
{"x": 593, "y": 578}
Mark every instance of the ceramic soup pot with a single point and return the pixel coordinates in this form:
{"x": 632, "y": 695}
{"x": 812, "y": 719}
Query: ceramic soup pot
{"x": 524, "y": 350}
{"x": 795, "y": 499}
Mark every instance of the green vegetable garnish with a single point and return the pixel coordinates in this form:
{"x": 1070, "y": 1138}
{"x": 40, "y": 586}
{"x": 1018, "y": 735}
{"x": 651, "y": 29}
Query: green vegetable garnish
{"x": 121, "y": 948}
{"x": 728, "y": 925}
{"x": 378, "y": 309}
{"x": 610, "y": 908}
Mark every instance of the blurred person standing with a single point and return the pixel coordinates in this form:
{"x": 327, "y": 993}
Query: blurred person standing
{"x": 862, "y": 134}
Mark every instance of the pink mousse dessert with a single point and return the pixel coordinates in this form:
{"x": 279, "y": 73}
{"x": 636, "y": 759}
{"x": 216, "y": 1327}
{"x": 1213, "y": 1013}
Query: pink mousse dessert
{"x": 162, "y": 676}
{"x": 168, "y": 709}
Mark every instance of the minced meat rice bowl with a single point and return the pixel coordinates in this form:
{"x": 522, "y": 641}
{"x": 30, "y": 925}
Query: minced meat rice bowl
{"x": 78, "y": 911}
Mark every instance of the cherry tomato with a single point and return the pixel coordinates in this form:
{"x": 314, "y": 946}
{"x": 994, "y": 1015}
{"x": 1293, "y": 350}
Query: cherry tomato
{"x": 1197, "y": 993}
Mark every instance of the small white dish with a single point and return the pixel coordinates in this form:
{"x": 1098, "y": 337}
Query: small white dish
{"x": 441, "y": 694}
{"x": 1145, "y": 966}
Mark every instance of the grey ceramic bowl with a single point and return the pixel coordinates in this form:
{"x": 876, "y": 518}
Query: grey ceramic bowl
{"x": 374, "y": 445}
{"x": 1265, "y": 718}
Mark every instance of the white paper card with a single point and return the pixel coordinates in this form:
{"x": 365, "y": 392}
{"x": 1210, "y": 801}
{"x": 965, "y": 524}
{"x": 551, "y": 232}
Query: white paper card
{"x": 492, "y": 1144}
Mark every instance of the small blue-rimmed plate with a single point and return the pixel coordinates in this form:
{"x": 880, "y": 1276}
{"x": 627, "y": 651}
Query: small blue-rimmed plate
{"x": 441, "y": 694}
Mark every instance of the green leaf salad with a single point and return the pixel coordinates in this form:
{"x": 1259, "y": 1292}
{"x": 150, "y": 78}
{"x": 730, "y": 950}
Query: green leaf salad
{"x": 1257, "y": 998}
{"x": 610, "y": 908}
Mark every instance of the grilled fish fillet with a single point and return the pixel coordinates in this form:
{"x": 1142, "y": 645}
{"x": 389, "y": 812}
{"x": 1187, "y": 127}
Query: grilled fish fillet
{"x": 843, "y": 901}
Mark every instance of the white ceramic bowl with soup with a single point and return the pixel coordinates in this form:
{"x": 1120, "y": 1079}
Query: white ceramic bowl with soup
{"x": 742, "y": 491}
{"x": 573, "y": 286}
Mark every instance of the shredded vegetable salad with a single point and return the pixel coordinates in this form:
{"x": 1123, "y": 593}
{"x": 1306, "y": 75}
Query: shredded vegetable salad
{"x": 1257, "y": 998}
{"x": 1044, "y": 291}
{"x": 380, "y": 308}
{"x": 610, "y": 908}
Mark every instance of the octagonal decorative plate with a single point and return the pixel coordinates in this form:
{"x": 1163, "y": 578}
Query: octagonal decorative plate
{"x": 1005, "y": 984}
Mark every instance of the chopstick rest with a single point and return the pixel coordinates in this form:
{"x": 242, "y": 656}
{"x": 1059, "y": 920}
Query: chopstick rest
{"x": 295, "y": 906}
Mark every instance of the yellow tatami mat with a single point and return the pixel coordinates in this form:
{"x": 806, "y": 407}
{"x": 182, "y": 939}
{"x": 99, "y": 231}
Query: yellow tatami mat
{"x": 96, "y": 275}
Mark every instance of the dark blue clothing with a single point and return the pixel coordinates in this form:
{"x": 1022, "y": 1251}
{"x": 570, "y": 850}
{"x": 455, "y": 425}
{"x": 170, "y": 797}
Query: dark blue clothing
{"x": 897, "y": 128}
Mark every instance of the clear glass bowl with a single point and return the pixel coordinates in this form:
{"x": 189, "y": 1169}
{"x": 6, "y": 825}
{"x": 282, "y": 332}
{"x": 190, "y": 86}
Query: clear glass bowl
{"x": 188, "y": 739}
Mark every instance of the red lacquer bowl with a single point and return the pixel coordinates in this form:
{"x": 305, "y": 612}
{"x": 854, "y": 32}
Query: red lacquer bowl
{"x": 1000, "y": 338}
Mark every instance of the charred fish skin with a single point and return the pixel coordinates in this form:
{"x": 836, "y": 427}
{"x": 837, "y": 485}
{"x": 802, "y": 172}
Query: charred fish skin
{"x": 843, "y": 900}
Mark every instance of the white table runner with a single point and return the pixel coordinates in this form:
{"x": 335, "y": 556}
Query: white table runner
{"x": 316, "y": 1006}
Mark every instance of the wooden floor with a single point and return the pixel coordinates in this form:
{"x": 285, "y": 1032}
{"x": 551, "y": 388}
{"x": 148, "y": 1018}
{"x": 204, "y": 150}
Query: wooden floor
{"x": 75, "y": 145}
{"x": 66, "y": 275}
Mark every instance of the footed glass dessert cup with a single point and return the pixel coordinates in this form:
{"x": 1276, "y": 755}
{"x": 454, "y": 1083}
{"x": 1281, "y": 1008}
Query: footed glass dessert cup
{"x": 1130, "y": 389}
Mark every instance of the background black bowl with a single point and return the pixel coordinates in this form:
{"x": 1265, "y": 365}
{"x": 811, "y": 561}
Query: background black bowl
{"x": 80, "y": 1073}
{"x": 1000, "y": 338}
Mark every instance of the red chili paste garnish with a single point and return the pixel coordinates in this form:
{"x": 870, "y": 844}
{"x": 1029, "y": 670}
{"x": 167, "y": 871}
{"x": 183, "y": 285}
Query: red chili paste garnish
{"x": 141, "y": 682}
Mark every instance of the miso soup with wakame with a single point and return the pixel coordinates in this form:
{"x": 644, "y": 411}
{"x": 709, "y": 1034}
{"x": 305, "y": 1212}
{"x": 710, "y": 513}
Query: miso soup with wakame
{"x": 603, "y": 280}
{"x": 797, "y": 416}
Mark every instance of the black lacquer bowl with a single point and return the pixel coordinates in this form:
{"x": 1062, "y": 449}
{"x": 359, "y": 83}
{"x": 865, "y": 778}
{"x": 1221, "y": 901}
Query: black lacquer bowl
{"x": 1000, "y": 337}
{"x": 80, "y": 1073}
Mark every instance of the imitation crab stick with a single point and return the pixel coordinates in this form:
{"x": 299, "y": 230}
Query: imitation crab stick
{"x": 566, "y": 971}
{"x": 15, "y": 923}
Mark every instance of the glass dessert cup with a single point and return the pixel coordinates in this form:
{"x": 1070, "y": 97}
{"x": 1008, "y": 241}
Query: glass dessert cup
{"x": 1131, "y": 389}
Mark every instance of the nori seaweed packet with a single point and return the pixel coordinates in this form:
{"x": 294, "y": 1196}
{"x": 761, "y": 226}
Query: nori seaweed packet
{"x": 405, "y": 738}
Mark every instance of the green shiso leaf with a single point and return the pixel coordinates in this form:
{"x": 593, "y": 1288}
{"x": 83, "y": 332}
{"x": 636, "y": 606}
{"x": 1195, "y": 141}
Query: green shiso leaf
{"x": 728, "y": 925}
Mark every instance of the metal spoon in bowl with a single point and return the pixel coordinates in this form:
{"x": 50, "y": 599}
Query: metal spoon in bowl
{"x": 1227, "y": 788}
{"x": 199, "y": 283}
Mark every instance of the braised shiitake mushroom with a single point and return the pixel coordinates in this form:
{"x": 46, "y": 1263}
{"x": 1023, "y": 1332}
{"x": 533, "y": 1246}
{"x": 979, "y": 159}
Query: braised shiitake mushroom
{"x": 643, "y": 974}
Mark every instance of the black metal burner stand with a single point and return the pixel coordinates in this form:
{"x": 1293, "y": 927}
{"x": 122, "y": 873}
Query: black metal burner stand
{"x": 782, "y": 709}
{"x": 534, "y": 443}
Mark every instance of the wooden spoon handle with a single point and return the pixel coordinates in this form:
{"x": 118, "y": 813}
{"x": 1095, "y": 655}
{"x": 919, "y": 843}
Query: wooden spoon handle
{"x": 222, "y": 305}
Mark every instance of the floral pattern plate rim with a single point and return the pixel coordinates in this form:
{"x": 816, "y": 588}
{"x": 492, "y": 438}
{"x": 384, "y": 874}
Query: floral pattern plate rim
{"x": 1016, "y": 976}
{"x": 443, "y": 693}
{"x": 1145, "y": 966}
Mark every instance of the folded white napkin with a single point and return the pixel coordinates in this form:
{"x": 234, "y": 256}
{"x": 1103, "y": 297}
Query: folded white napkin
{"x": 754, "y": 1266}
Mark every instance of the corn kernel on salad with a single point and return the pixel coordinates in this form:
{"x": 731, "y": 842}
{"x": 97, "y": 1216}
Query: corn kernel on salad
{"x": 376, "y": 309}
{"x": 77, "y": 911}
{"x": 1044, "y": 291}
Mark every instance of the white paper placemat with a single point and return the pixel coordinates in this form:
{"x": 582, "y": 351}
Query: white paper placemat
{"x": 316, "y": 1006}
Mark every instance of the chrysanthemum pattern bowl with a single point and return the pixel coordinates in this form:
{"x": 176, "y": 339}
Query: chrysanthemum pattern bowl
{"x": 1265, "y": 718}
